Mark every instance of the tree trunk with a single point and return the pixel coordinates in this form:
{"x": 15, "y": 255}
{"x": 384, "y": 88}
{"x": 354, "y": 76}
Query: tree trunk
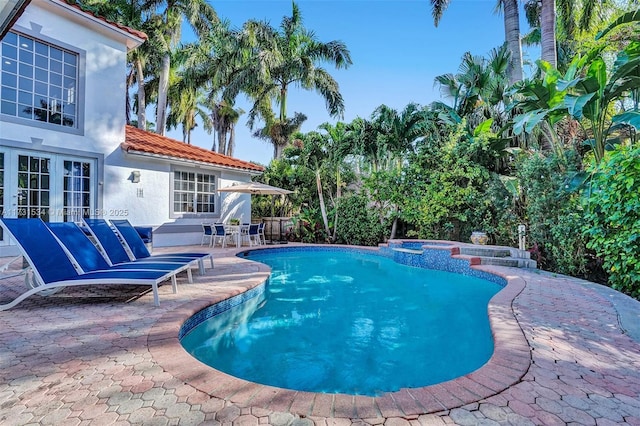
{"x": 394, "y": 226}
{"x": 548, "y": 32}
{"x": 512, "y": 37}
{"x": 142, "y": 105}
{"x": 323, "y": 208}
{"x": 163, "y": 88}
{"x": 127, "y": 103}
{"x": 338, "y": 196}
{"x": 283, "y": 104}
{"x": 277, "y": 151}
{"x": 231, "y": 145}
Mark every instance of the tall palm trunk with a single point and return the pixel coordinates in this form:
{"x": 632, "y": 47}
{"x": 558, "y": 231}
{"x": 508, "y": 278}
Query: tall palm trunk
{"x": 127, "y": 104}
{"x": 142, "y": 104}
{"x": 512, "y": 37}
{"x": 222, "y": 140}
{"x": 163, "y": 89}
{"x": 548, "y": 32}
{"x": 231, "y": 144}
{"x": 323, "y": 208}
{"x": 337, "y": 203}
{"x": 394, "y": 226}
{"x": 283, "y": 104}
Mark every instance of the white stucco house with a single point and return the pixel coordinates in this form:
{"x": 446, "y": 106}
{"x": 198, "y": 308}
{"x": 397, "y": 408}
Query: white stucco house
{"x": 66, "y": 151}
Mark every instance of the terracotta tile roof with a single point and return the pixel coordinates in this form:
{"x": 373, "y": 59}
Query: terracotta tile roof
{"x": 151, "y": 143}
{"x": 131, "y": 31}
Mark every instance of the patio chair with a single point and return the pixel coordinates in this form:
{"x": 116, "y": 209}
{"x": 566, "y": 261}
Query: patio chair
{"x": 207, "y": 233}
{"x": 220, "y": 233}
{"x": 89, "y": 258}
{"x": 53, "y": 268}
{"x": 253, "y": 234}
{"x": 136, "y": 246}
{"x": 261, "y": 233}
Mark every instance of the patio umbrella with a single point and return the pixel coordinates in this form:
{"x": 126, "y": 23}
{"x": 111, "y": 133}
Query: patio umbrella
{"x": 255, "y": 188}
{"x": 258, "y": 189}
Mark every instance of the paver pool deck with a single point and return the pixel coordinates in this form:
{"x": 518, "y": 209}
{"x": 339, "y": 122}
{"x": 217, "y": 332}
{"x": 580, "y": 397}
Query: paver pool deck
{"x": 566, "y": 352}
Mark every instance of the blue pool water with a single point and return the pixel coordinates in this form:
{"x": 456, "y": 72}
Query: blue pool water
{"x": 350, "y": 322}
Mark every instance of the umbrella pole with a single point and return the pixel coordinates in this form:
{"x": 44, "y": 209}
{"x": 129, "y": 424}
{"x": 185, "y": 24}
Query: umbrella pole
{"x": 280, "y": 239}
{"x": 271, "y": 241}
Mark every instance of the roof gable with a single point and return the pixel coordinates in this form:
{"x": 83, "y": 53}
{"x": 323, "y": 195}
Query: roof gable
{"x": 139, "y": 141}
{"x": 115, "y": 25}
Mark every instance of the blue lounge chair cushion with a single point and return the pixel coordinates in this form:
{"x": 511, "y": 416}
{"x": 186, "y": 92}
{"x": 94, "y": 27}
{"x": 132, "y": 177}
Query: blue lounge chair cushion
{"x": 53, "y": 267}
{"x": 89, "y": 258}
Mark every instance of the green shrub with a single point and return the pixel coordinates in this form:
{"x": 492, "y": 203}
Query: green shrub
{"x": 307, "y": 227}
{"x": 553, "y": 216}
{"x": 358, "y": 223}
{"x": 613, "y": 218}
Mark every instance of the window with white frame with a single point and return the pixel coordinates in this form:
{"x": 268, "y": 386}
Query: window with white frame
{"x": 39, "y": 81}
{"x": 76, "y": 190}
{"x": 194, "y": 192}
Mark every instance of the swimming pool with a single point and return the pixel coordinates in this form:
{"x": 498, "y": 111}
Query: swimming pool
{"x": 343, "y": 321}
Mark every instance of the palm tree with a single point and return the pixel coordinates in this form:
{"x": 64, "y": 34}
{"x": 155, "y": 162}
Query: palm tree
{"x": 338, "y": 144}
{"x": 209, "y": 64}
{"x": 511, "y": 32}
{"x": 133, "y": 13}
{"x": 368, "y": 143}
{"x": 144, "y": 61}
{"x": 279, "y": 132}
{"x": 477, "y": 88}
{"x": 279, "y": 58}
{"x": 551, "y": 19}
{"x": 224, "y": 118}
{"x": 187, "y": 103}
{"x": 399, "y": 131}
{"x": 548, "y": 32}
{"x": 201, "y": 16}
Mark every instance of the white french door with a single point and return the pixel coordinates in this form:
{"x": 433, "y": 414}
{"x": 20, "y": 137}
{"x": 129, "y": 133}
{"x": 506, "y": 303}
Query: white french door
{"x": 53, "y": 187}
{"x": 33, "y": 191}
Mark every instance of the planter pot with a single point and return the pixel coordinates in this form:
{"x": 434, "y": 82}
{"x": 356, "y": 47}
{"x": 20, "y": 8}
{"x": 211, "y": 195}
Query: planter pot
{"x": 479, "y": 237}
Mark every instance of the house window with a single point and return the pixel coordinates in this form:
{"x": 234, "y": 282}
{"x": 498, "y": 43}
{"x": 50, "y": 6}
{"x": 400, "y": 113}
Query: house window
{"x": 34, "y": 187}
{"x": 77, "y": 190}
{"x": 194, "y": 192}
{"x": 39, "y": 81}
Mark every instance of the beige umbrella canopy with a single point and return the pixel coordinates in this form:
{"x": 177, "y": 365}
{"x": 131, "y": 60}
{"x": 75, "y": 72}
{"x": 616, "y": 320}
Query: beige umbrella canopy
{"x": 255, "y": 188}
{"x": 258, "y": 188}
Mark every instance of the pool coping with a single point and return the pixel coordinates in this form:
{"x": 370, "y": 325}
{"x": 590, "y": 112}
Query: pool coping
{"x": 509, "y": 362}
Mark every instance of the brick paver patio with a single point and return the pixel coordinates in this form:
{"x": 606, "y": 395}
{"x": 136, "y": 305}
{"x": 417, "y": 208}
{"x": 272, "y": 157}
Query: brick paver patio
{"x": 108, "y": 356}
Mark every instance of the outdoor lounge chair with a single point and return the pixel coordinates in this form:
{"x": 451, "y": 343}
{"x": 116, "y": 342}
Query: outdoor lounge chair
{"x": 116, "y": 252}
{"x": 89, "y": 258}
{"x": 52, "y": 267}
{"x": 136, "y": 246}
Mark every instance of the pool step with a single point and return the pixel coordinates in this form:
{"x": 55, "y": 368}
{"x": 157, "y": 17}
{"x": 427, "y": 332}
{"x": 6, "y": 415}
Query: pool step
{"x": 514, "y": 262}
{"x": 488, "y": 255}
{"x": 500, "y": 256}
{"x": 406, "y": 250}
{"x": 485, "y": 251}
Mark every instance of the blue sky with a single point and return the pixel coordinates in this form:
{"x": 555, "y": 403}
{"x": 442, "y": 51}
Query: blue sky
{"x": 396, "y": 51}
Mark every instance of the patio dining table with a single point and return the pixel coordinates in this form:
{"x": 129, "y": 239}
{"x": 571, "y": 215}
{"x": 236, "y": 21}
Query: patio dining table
{"x": 237, "y": 231}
